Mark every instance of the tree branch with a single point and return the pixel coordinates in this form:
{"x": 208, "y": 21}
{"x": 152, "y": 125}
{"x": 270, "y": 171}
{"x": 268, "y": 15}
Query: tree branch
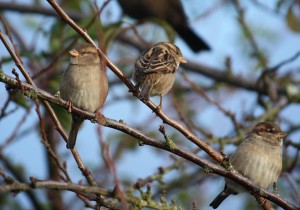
{"x": 24, "y": 8}
{"x": 188, "y": 155}
{"x": 219, "y": 75}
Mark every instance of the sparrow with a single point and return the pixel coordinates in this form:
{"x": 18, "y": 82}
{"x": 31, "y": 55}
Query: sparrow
{"x": 170, "y": 11}
{"x": 258, "y": 157}
{"x": 155, "y": 70}
{"x": 83, "y": 84}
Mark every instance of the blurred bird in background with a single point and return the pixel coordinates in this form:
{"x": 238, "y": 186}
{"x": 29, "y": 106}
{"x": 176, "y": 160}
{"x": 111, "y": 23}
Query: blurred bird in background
{"x": 170, "y": 11}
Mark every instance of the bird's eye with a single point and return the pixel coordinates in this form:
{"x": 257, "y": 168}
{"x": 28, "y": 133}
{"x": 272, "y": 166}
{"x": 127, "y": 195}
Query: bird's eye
{"x": 271, "y": 130}
{"x": 85, "y": 52}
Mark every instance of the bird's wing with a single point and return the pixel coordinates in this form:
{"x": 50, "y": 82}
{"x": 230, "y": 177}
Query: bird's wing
{"x": 158, "y": 61}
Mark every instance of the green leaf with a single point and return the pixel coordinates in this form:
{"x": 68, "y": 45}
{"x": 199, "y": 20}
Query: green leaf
{"x": 292, "y": 19}
{"x": 17, "y": 97}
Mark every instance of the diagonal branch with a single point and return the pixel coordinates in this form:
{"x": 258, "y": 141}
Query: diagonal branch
{"x": 24, "y": 8}
{"x": 208, "y": 149}
{"x": 219, "y": 75}
{"x": 188, "y": 155}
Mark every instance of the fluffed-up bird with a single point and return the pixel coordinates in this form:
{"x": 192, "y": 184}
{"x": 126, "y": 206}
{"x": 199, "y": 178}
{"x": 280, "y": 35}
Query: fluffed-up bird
{"x": 84, "y": 84}
{"x": 258, "y": 157}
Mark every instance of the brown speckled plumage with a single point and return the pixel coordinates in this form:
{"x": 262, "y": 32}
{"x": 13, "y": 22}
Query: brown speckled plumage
{"x": 155, "y": 69}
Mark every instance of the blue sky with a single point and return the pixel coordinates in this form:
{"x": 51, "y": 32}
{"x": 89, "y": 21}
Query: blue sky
{"x": 221, "y": 31}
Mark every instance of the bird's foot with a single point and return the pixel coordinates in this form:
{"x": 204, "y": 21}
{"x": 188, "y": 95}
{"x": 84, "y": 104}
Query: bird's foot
{"x": 135, "y": 91}
{"x": 70, "y": 106}
{"x": 99, "y": 118}
{"x": 142, "y": 97}
{"x": 159, "y": 107}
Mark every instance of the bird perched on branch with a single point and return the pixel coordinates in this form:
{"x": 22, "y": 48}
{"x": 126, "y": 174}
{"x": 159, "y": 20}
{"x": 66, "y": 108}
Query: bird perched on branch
{"x": 155, "y": 70}
{"x": 258, "y": 157}
{"x": 170, "y": 11}
{"x": 84, "y": 84}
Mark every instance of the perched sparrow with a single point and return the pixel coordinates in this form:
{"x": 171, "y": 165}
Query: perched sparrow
{"x": 258, "y": 157}
{"x": 170, "y": 11}
{"x": 155, "y": 70}
{"x": 84, "y": 84}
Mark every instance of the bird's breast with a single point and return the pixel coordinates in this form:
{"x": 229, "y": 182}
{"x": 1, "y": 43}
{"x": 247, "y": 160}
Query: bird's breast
{"x": 85, "y": 86}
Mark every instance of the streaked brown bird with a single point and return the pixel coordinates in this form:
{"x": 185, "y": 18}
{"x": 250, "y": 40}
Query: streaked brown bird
{"x": 155, "y": 70}
{"x": 84, "y": 84}
{"x": 170, "y": 11}
{"x": 258, "y": 157}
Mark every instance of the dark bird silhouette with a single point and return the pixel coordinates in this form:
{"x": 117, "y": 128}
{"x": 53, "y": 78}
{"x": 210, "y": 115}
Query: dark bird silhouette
{"x": 169, "y": 10}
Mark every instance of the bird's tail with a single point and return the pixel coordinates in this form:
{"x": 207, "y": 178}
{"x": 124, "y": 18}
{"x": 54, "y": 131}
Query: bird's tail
{"x": 76, "y": 122}
{"x": 195, "y": 42}
{"x": 219, "y": 199}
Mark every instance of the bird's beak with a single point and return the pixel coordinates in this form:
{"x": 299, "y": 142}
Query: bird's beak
{"x": 182, "y": 60}
{"x": 74, "y": 53}
{"x": 281, "y": 135}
